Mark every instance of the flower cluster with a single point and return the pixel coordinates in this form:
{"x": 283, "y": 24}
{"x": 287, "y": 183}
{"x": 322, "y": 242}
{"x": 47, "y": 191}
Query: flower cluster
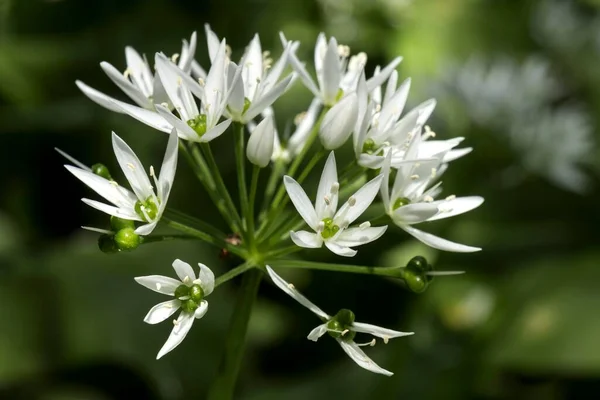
{"x": 196, "y": 105}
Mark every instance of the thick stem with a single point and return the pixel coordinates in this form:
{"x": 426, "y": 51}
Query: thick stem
{"x": 252, "y": 201}
{"x": 396, "y": 272}
{"x": 276, "y": 172}
{"x": 240, "y": 163}
{"x": 232, "y": 273}
{"x": 224, "y": 385}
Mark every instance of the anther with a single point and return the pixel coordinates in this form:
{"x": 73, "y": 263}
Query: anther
{"x": 291, "y": 286}
{"x": 175, "y": 322}
{"x": 451, "y": 197}
{"x": 335, "y": 187}
{"x": 126, "y": 73}
{"x": 152, "y": 171}
{"x": 433, "y": 172}
{"x": 299, "y": 118}
{"x": 428, "y": 199}
{"x": 158, "y": 286}
{"x": 327, "y": 200}
{"x": 352, "y": 201}
{"x": 179, "y": 81}
{"x": 186, "y": 280}
{"x": 174, "y": 57}
{"x": 345, "y": 331}
{"x": 201, "y": 82}
{"x": 386, "y": 339}
{"x": 165, "y": 104}
{"x": 414, "y": 177}
{"x": 131, "y": 166}
{"x": 365, "y": 225}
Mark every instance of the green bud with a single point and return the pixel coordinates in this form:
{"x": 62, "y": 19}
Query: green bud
{"x": 416, "y": 283}
{"x": 106, "y": 244}
{"x": 196, "y": 293}
{"x": 400, "y": 202}
{"x": 415, "y": 274}
{"x": 116, "y": 223}
{"x": 127, "y": 239}
{"x": 150, "y": 208}
{"x": 198, "y": 124}
{"x": 182, "y": 291}
{"x": 247, "y": 104}
{"x": 189, "y": 305}
{"x": 330, "y": 229}
{"x": 101, "y": 170}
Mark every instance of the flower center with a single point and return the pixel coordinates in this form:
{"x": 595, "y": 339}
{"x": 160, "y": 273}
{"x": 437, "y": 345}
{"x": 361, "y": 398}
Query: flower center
{"x": 147, "y": 210}
{"x": 190, "y": 297}
{"x": 400, "y": 202}
{"x": 198, "y": 124}
{"x": 247, "y": 104}
{"x": 340, "y": 325}
{"x": 329, "y": 229}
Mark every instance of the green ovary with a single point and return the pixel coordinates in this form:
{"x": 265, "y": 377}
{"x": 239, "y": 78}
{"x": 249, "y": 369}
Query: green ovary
{"x": 198, "y": 124}
{"x": 339, "y": 326}
{"x": 330, "y": 228}
{"x": 400, "y": 202}
{"x": 150, "y": 208}
{"x": 190, "y": 297}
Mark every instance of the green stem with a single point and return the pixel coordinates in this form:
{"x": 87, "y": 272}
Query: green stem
{"x": 276, "y": 173}
{"x": 240, "y": 162}
{"x": 284, "y": 251}
{"x": 206, "y": 237}
{"x": 232, "y": 273}
{"x": 233, "y": 216}
{"x": 252, "y": 201}
{"x": 224, "y": 385}
{"x": 164, "y": 238}
{"x": 184, "y": 218}
{"x": 396, "y": 272}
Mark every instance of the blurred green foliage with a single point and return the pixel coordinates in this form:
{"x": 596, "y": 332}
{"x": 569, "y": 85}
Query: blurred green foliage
{"x": 522, "y": 323}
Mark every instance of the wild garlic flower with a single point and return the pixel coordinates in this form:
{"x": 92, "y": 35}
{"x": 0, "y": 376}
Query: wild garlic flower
{"x": 138, "y": 82}
{"x": 144, "y": 204}
{"x": 337, "y": 72}
{"x": 259, "y": 149}
{"x": 259, "y": 84}
{"x": 412, "y": 201}
{"x": 189, "y": 293}
{"x": 342, "y": 327}
{"x": 331, "y": 227}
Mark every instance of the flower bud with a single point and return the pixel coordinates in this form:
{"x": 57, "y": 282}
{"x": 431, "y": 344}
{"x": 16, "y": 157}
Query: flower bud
{"x": 260, "y": 144}
{"x": 415, "y": 274}
{"x": 127, "y": 239}
{"x": 339, "y": 122}
{"x": 101, "y": 170}
{"x": 116, "y": 223}
{"x": 106, "y": 244}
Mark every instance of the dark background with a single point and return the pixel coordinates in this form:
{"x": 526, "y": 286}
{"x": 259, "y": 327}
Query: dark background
{"x": 519, "y": 79}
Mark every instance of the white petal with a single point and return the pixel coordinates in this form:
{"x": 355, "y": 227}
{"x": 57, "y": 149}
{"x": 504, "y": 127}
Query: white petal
{"x": 353, "y": 237}
{"x": 188, "y": 51}
{"x": 73, "y": 160}
{"x": 378, "y": 331}
{"x": 309, "y": 240}
{"x": 298, "y": 138}
{"x": 260, "y": 143}
{"x": 329, "y": 177}
{"x": 303, "y": 73}
{"x": 301, "y": 201}
{"x": 214, "y": 88}
{"x": 361, "y": 358}
{"x": 162, "y": 311}
{"x": 150, "y": 118}
{"x": 296, "y": 295}
{"x": 212, "y": 41}
{"x": 130, "y": 90}
{"x": 180, "y": 330}
{"x": 339, "y": 122}
{"x": 340, "y": 250}
{"x": 111, "y": 191}
{"x": 159, "y": 283}
{"x": 179, "y": 94}
{"x": 207, "y": 279}
{"x": 147, "y": 229}
{"x": 139, "y": 72}
{"x": 167, "y": 169}
{"x": 392, "y": 111}
{"x": 378, "y": 79}
{"x": 125, "y": 213}
{"x": 459, "y": 205}
{"x": 331, "y": 74}
{"x": 183, "y": 129}
{"x": 99, "y": 97}
{"x": 132, "y": 168}
{"x": 253, "y": 67}
{"x": 184, "y": 271}
{"x": 439, "y": 243}
{"x": 267, "y": 99}
{"x": 362, "y": 198}
{"x": 415, "y": 213}
{"x": 201, "y": 310}
{"x": 456, "y": 154}
{"x": 316, "y": 333}
{"x": 215, "y": 132}
{"x": 237, "y": 96}
{"x": 385, "y": 182}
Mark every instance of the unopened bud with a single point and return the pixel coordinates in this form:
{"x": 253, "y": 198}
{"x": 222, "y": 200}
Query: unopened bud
{"x": 126, "y": 239}
{"x": 260, "y": 144}
{"x": 339, "y": 122}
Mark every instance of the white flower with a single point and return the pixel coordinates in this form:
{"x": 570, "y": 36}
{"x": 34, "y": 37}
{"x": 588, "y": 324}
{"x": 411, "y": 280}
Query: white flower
{"x": 411, "y": 201}
{"x": 259, "y": 85}
{"x": 331, "y": 227}
{"x": 304, "y": 124}
{"x": 342, "y": 327}
{"x": 334, "y": 71}
{"x": 188, "y": 292}
{"x": 339, "y": 122}
{"x": 137, "y": 81}
{"x": 260, "y": 143}
{"x": 144, "y": 204}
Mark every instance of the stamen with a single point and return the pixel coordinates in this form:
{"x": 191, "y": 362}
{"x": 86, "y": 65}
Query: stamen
{"x": 175, "y": 57}
{"x": 428, "y": 132}
{"x": 291, "y": 286}
{"x": 165, "y": 104}
{"x": 201, "y": 82}
{"x": 126, "y": 73}
{"x": 428, "y": 199}
{"x": 320, "y": 226}
{"x": 386, "y": 339}
{"x": 352, "y": 201}
{"x": 451, "y": 197}
{"x": 131, "y": 166}
{"x": 414, "y": 177}
{"x": 343, "y": 50}
{"x": 299, "y": 118}
{"x": 158, "y": 286}
{"x": 433, "y": 172}
{"x": 335, "y": 188}
{"x": 371, "y": 343}
{"x": 186, "y": 280}
{"x": 345, "y": 331}
{"x": 365, "y": 225}
{"x": 175, "y": 322}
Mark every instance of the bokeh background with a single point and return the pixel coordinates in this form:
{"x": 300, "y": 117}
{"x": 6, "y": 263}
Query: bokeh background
{"x": 519, "y": 79}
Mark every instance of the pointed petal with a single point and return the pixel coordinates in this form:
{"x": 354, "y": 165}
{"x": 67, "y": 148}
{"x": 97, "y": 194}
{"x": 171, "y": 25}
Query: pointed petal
{"x": 392, "y": 111}
{"x": 183, "y": 129}
{"x": 340, "y": 250}
{"x": 361, "y": 358}
{"x": 132, "y": 168}
{"x": 180, "y": 330}
{"x": 309, "y": 240}
{"x": 331, "y": 74}
{"x": 339, "y": 122}
{"x": 212, "y": 41}
{"x": 188, "y": 51}
{"x": 150, "y": 118}
{"x": 159, "y": 283}
{"x": 378, "y": 331}
{"x": 298, "y": 138}
{"x": 167, "y": 170}
{"x": 415, "y": 213}
{"x": 301, "y": 201}
{"x": 124, "y": 213}
{"x": 214, "y": 88}
{"x": 73, "y": 160}
{"x": 459, "y": 205}
{"x": 147, "y": 229}
{"x": 329, "y": 177}
{"x": 385, "y": 182}
{"x": 362, "y": 199}
{"x": 304, "y": 75}
{"x": 295, "y": 294}
{"x": 130, "y": 90}
{"x": 110, "y": 190}
{"x": 201, "y": 310}
{"x": 316, "y": 333}
{"x": 162, "y": 311}
{"x": 439, "y": 243}
{"x": 456, "y": 154}
{"x": 378, "y": 79}
{"x": 99, "y": 97}
{"x": 184, "y": 271}
{"x": 179, "y": 94}
{"x": 267, "y": 99}
{"x": 215, "y": 132}
{"x": 207, "y": 279}
{"x": 139, "y": 72}
{"x": 353, "y": 237}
